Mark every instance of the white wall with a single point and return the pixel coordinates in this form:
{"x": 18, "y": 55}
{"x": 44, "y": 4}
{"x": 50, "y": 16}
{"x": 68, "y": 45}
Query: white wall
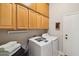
{"x": 56, "y": 12}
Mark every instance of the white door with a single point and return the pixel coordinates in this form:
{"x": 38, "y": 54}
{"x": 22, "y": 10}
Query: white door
{"x": 67, "y": 39}
{"x": 71, "y": 35}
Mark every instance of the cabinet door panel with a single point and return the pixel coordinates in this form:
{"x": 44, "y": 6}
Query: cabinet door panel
{"x": 6, "y": 20}
{"x": 39, "y": 21}
{"x": 43, "y": 8}
{"x": 22, "y": 17}
{"x": 32, "y": 20}
{"x": 45, "y": 22}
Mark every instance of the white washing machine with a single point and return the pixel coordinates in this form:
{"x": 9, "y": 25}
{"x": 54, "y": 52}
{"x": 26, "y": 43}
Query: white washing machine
{"x": 54, "y": 40}
{"x": 41, "y": 46}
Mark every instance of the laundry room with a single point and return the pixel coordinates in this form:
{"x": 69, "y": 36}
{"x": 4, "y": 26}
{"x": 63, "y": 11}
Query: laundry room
{"x": 39, "y": 29}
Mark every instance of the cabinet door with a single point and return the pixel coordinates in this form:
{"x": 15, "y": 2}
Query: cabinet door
{"x": 45, "y": 22}
{"x": 39, "y": 21}
{"x": 42, "y": 22}
{"x": 22, "y": 17}
{"x": 6, "y": 19}
{"x": 32, "y": 20}
{"x": 43, "y": 8}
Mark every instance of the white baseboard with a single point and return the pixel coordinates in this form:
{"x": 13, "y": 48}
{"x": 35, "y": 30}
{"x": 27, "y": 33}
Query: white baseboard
{"x": 60, "y": 53}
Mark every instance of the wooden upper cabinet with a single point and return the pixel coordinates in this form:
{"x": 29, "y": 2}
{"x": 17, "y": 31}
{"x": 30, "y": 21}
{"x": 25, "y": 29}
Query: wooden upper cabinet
{"x": 43, "y": 8}
{"x": 22, "y": 17}
{"x": 6, "y": 16}
{"x": 32, "y": 20}
{"x": 45, "y": 23}
{"x": 16, "y": 16}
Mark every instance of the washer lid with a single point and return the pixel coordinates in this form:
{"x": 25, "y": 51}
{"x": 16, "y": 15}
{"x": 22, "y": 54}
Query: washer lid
{"x": 49, "y": 37}
{"x": 45, "y": 35}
